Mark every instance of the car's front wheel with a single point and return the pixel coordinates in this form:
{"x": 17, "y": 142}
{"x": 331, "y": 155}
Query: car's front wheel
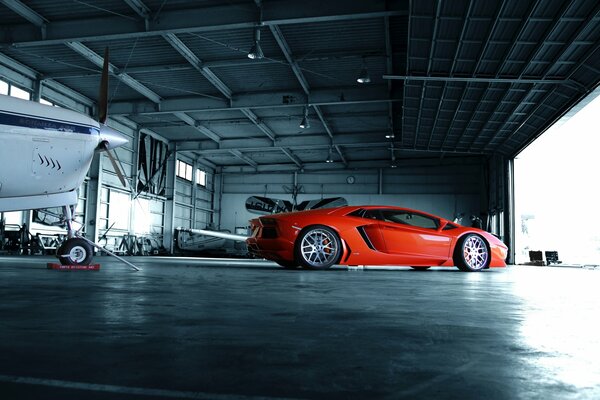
{"x": 472, "y": 253}
{"x": 318, "y": 247}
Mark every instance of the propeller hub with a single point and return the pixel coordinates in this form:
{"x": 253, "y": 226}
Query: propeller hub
{"x": 110, "y": 138}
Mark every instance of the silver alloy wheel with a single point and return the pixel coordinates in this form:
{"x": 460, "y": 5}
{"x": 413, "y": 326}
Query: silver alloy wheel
{"x": 475, "y": 252}
{"x": 77, "y": 254}
{"x": 319, "y": 247}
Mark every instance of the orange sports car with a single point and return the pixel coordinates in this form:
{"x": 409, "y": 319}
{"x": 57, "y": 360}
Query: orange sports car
{"x": 372, "y": 235}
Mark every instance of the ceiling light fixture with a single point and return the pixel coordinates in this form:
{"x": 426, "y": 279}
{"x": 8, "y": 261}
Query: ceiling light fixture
{"x": 305, "y": 123}
{"x": 390, "y": 136}
{"x": 256, "y": 51}
{"x": 364, "y": 76}
{"x": 330, "y": 156}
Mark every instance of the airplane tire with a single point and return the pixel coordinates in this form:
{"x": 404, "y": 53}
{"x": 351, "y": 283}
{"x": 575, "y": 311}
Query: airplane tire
{"x": 75, "y": 251}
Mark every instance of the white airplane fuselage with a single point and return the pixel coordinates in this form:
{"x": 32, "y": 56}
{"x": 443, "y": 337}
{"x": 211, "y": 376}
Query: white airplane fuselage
{"x": 45, "y": 153}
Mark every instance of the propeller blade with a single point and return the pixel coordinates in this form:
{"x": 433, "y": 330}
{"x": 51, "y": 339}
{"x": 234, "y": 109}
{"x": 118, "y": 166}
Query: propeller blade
{"x": 117, "y": 168}
{"x": 103, "y": 95}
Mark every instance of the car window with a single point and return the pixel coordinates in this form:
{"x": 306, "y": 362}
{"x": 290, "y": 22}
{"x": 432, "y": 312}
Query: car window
{"x": 372, "y": 214}
{"x": 409, "y": 218}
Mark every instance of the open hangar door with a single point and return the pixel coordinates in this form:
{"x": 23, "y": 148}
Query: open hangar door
{"x": 556, "y": 194}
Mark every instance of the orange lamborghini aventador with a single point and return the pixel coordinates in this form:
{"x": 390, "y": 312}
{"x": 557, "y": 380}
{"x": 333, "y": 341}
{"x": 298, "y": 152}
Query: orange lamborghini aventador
{"x": 372, "y": 235}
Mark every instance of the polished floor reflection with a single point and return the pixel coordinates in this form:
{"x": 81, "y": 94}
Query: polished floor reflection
{"x": 225, "y": 329}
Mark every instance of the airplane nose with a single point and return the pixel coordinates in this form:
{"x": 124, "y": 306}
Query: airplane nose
{"x": 110, "y": 139}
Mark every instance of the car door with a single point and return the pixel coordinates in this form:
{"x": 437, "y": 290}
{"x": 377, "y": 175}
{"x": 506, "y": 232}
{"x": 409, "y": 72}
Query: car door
{"x": 414, "y": 236}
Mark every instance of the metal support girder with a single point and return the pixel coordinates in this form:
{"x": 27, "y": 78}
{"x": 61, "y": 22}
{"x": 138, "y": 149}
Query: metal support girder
{"x": 534, "y": 54}
{"x": 322, "y": 119}
{"x": 218, "y": 17}
{"x": 478, "y": 80}
{"x": 287, "y": 52}
{"x": 240, "y": 62}
{"x": 479, "y": 58}
{"x": 339, "y": 151}
{"x": 89, "y": 54}
{"x": 512, "y": 112}
{"x": 321, "y": 166}
{"x": 293, "y": 143}
{"x": 27, "y": 13}
{"x": 196, "y": 125}
{"x": 576, "y": 34}
{"x": 431, "y": 52}
{"x": 244, "y": 158}
{"x": 456, "y": 54}
{"x": 389, "y": 71}
{"x": 256, "y": 100}
{"x": 292, "y": 156}
{"x": 139, "y": 7}
{"x": 189, "y": 55}
{"x": 259, "y": 124}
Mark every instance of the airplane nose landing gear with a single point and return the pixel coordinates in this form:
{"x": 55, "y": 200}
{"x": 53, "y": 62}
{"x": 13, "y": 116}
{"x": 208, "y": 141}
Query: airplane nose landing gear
{"x": 75, "y": 251}
{"x": 78, "y": 250}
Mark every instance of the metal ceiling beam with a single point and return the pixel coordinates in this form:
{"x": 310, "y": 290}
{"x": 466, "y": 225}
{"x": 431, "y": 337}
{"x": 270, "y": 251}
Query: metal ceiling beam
{"x": 479, "y": 59}
{"x": 279, "y": 99}
{"x": 515, "y": 104}
{"x": 428, "y": 71}
{"x": 534, "y": 54}
{"x": 205, "y": 19}
{"x": 366, "y": 164}
{"x": 94, "y": 58}
{"x": 452, "y": 67}
{"x": 259, "y": 124}
{"x": 139, "y": 7}
{"x": 542, "y": 81}
{"x": 292, "y": 157}
{"x": 244, "y": 158}
{"x": 27, "y": 13}
{"x": 198, "y": 126}
{"x": 287, "y": 53}
{"x": 292, "y": 143}
{"x": 582, "y": 27}
{"x": 241, "y": 62}
{"x": 189, "y": 55}
{"x": 339, "y": 151}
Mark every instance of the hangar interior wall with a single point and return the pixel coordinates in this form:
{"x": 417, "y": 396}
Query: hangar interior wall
{"x": 442, "y": 188}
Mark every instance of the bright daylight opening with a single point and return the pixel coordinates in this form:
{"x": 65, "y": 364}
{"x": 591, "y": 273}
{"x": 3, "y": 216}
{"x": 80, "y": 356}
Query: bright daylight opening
{"x": 557, "y": 190}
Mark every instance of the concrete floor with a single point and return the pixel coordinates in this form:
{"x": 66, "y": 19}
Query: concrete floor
{"x": 190, "y": 328}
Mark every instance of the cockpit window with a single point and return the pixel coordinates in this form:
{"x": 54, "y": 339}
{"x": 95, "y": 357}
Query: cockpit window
{"x": 409, "y": 218}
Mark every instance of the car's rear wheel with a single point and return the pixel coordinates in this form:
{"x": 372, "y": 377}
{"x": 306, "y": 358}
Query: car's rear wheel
{"x": 318, "y": 247}
{"x": 472, "y": 253}
{"x": 288, "y": 264}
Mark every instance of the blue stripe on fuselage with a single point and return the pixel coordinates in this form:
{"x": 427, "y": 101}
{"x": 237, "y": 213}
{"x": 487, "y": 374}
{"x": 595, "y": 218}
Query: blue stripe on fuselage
{"x": 29, "y": 121}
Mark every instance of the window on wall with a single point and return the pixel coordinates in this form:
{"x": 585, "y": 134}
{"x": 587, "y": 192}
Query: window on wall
{"x": 19, "y": 93}
{"x": 184, "y": 170}
{"x": 3, "y": 87}
{"x": 200, "y": 177}
{"x": 46, "y": 102}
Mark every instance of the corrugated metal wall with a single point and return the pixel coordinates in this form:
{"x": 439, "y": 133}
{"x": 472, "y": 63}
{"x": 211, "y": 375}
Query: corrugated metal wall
{"x": 443, "y": 189}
